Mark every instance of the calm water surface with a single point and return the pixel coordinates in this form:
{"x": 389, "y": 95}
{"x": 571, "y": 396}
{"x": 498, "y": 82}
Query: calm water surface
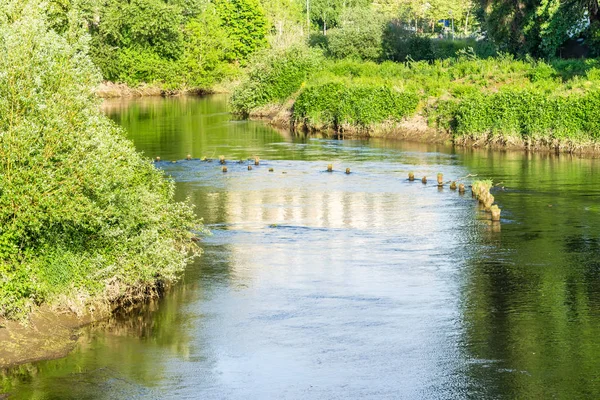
{"x": 319, "y": 285}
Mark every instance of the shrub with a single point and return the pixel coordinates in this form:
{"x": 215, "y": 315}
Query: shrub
{"x": 359, "y": 35}
{"x": 399, "y": 44}
{"x": 318, "y": 40}
{"x": 83, "y": 216}
{"x": 335, "y": 104}
{"x": 274, "y": 76}
{"x": 246, "y": 26}
{"x": 529, "y": 113}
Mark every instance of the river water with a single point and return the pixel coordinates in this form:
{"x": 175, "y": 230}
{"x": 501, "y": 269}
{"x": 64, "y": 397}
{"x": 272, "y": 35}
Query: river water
{"x": 317, "y": 285}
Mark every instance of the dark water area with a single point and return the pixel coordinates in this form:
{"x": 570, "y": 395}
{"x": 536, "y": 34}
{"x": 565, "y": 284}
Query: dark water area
{"x": 317, "y": 285}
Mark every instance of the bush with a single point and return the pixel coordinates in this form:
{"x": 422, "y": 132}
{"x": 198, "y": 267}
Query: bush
{"x": 336, "y": 104}
{"x": 274, "y": 76}
{"x": 528, "y": 113}
{"x": 84, "y": 218}
{"x": 399, "y": 44}
{"x": 318, "y": 40}
{"x": 359, "y": 35}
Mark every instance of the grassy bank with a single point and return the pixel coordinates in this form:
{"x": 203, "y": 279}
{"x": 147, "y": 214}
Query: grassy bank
{"x": 498, "y": 100}
{"x": 85, "y": 221}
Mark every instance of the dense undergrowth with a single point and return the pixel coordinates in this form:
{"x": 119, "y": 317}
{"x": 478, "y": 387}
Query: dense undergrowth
{"x": 466, "y": 95}
{"x": 84, "y": 218}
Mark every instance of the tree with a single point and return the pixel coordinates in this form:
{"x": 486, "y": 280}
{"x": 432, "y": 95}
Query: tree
{"x": 326, "y": 13}
{"x": 246, "y": 26}
{"x": 536, "y": 27}
{"x": 358, "y": 36}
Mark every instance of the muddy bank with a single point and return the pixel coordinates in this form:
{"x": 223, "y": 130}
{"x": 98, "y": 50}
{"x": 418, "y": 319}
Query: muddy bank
{"x": 416, "y": 129}
{"x": 46, "y": 335}
{"x": 50, "y": 333}
{"x": 109, "y": 90}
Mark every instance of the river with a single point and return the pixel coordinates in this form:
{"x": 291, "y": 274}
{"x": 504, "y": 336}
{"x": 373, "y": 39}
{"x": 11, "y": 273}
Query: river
{"x": 318, "y": 285}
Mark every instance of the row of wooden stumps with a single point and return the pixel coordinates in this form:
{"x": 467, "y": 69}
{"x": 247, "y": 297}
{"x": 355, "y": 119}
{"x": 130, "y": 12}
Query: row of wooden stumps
{"x": 330, "y": 168}
{"x": 480, "y": 191}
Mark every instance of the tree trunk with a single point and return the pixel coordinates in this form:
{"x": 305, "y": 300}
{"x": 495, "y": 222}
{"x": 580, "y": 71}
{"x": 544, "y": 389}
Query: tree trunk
{"x": 467, "y": 23}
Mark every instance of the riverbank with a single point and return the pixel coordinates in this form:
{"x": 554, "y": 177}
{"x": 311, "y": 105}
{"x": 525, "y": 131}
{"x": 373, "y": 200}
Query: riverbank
{"x": 417, "y": 129}
{"x": 497, "y": 102}
{"x": 87, "y": 223}
{"x": 51, "y": 332}
{"x": 111, "y": 90}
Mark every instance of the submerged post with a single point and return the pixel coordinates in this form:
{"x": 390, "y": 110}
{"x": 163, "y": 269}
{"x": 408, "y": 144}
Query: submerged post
{"x": 495, "y": 210}
{"x": 411, "y": 176}
{"x": 188, "y": 157}
{"x": 222, "y": 159}
{"x": 440, "y": 179}
{"x": 224, "y": 169}
{"x": 329, "y": 167}
{"x": 453, "y": 186}
{"x": 424, "y": 180}
{"x": 256, "y": 160}
{"x": 347, "y": 170}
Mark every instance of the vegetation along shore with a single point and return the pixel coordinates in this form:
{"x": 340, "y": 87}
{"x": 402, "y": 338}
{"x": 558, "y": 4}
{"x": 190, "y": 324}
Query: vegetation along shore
{"x": 87, "y": 223}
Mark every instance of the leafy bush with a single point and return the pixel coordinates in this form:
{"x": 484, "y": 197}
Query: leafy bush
{"x": 274, "y": 76}
{"x": 246, "y": 26}
{"x": 399, "y": 44}
{"x": 359, "y": 35}
{"x": 335, "y": 104}
{"x": 318, "y": 40}
{"x": 529, "y": 113}
{"x": 83, "y": 216}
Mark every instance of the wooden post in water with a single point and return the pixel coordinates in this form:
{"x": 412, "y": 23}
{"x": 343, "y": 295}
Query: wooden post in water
{"x": 188, "y": 157}
{"x": 495, "y": 210}
{"x": 329, "y": 167}
{"x": 157, "y": 159}
{"x": 347, "y": 170}
{"x": 271, "y": 170}
{"x": 411, "y": 176}
{"x": 453, "y": 186}
{"x": 224, "y": 169}
{"x": 249, "y": 167}
{"x": 222, "y": 159}
{"x": 461, "y": 188}
{"x": 256, "y": 160}
{"x": 440, "y": 179}
{"x": 424, "y": 180}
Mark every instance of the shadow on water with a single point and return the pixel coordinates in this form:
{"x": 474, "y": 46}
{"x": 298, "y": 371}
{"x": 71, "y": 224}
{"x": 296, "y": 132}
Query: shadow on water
{"x": 327, "y": 285}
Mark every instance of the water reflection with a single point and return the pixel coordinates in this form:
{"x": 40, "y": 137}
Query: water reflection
{"x": 327, "y": 285}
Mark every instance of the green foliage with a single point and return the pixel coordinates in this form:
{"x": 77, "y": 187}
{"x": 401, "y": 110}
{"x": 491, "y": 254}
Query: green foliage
{"x": 273, "y": 76}
{"x": 82, "y": 215}
{"x": 207, "y": 49}
{"x": 358, "y": 36}
{"x": 534, "y": 27}
{"x": 529, "y": 114}
{"x": 400, "y": 44}
{"x": 336, "y": 104}
{"x": 245, "y": 24}
{"x": 171, "y": 44}
{"x": 150, "y": 25}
